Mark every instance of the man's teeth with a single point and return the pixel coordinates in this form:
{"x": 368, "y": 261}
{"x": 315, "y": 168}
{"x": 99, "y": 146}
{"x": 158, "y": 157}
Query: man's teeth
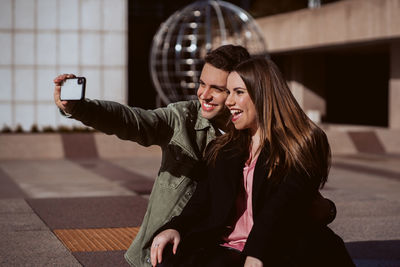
{"x": 207, "y": 105}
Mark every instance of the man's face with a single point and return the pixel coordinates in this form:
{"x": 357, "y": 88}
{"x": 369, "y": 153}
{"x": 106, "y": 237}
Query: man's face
{"x": 212, "y": 91}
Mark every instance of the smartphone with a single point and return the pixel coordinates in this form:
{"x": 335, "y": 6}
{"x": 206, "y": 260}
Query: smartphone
{"x": 73, "y": 89}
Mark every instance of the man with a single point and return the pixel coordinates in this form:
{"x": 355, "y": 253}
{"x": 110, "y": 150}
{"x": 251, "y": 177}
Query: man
{"x": 182, "y": 130}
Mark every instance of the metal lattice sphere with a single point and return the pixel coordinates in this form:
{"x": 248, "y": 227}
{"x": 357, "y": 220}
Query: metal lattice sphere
{"x": 180, "y": 44}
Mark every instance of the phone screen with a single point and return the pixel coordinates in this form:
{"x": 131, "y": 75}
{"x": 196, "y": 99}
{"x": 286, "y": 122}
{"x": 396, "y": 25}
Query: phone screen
{"x": 73, "y": 89}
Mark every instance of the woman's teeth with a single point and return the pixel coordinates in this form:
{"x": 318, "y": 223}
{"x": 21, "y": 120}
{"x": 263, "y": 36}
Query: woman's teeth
{"x": 236, "y": 112}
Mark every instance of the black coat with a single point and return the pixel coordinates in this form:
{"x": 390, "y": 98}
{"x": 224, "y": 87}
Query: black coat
{"x": 279, "y": 211}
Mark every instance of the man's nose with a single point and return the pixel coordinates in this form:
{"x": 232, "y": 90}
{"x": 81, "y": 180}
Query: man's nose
{"x": 206, "y": 93}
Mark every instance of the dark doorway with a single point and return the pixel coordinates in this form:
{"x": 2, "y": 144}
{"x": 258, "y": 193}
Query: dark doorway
{"x": 357, "y": 86}
{"x": 353, "y": 80}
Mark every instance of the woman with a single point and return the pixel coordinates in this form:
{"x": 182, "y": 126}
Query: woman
{"x": 251, "y": 209}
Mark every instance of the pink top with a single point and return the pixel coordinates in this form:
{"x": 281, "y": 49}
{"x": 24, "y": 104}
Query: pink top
{"x": 237, "y": 239}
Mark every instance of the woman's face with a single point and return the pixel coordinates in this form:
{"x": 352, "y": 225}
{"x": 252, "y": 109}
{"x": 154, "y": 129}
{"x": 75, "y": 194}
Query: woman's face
{"x": 244, "y": 115}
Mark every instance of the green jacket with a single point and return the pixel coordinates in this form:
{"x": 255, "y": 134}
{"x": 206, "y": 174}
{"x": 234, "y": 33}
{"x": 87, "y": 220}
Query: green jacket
{"x": 181, "y": 132}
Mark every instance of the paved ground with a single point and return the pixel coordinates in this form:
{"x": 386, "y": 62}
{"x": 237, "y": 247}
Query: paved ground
{"x": 85, "y": 210}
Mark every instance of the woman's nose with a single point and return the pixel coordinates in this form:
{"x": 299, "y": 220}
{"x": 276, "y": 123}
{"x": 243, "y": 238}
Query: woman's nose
{"x": 229, "y": 101}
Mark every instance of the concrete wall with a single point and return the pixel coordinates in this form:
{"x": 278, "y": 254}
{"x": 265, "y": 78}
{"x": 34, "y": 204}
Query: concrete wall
{"x": 394, "y": 86}
{"x": 58, "y": 146}
{"x": 333, "y": 24}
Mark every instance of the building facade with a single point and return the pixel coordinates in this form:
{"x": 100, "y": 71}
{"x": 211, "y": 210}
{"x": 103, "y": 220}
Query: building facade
{"x": 40, "y": 39}
{"x": 342, "y": 60}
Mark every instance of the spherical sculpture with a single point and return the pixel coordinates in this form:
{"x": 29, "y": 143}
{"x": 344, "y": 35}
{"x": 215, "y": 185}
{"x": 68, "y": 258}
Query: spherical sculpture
{"x": 180, "y": 44}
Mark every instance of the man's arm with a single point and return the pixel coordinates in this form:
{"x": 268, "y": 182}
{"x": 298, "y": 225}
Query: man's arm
{"x": 147, "y": 127}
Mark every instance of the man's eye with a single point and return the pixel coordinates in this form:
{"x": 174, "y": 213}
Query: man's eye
{"x": 215, "y": 89}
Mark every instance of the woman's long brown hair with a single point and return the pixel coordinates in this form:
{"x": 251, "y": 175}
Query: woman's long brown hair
{"x": 294, "y": 141}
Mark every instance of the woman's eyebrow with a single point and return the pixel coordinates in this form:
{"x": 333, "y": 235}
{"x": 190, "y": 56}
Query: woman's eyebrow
{"x": 239, "y": 88}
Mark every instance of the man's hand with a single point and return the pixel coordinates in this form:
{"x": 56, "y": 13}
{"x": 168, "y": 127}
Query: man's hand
{"x": 66, "y": 106}
{"x": 160, "y": 241}
{"x": 253, "y": 262}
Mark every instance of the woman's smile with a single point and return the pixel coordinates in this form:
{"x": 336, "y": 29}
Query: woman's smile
{"x": 236, "y": 114}
{"x": 240, "y": 104}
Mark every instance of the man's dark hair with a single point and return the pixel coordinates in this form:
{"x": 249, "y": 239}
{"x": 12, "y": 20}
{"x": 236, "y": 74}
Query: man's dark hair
{"x": 226, "y": 57}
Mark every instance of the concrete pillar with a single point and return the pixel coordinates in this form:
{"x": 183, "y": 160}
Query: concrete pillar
{"x": 303, "y": 86}
{"x": 295, "y": 79}
{"x": 394, "y": 86}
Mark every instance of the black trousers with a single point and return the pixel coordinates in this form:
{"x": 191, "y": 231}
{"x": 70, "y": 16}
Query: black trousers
{"x": 213, "y": 256}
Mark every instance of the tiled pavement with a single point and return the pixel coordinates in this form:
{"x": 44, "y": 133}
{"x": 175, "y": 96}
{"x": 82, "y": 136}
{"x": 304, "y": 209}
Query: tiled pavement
{"x": 82, "y": 208}
{"x": 45, "y": 202}
{"x": 78, "y": 209}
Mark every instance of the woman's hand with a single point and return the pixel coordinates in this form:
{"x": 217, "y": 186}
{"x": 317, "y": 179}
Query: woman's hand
{"x": 253, "y": 262}
{"x": 64, "y": 105}
{"x": 160, "y": 241}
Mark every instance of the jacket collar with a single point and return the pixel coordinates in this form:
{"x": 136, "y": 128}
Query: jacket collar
{"x": 202, "y": 123}
{"x": 231, "y": 161}
{"x": 230, "y": 166}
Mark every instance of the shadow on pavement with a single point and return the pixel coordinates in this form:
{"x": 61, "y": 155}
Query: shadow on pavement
{"x": 375, "y": 253}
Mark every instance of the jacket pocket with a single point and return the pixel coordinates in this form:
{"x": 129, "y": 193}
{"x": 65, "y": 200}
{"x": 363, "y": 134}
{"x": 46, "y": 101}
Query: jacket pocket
{"x": 176, "y": 167}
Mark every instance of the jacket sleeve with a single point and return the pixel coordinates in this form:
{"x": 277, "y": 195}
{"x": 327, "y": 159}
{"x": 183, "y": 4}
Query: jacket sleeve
{"x": 279, "y": 217}
{"x": 147, "y": 127}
